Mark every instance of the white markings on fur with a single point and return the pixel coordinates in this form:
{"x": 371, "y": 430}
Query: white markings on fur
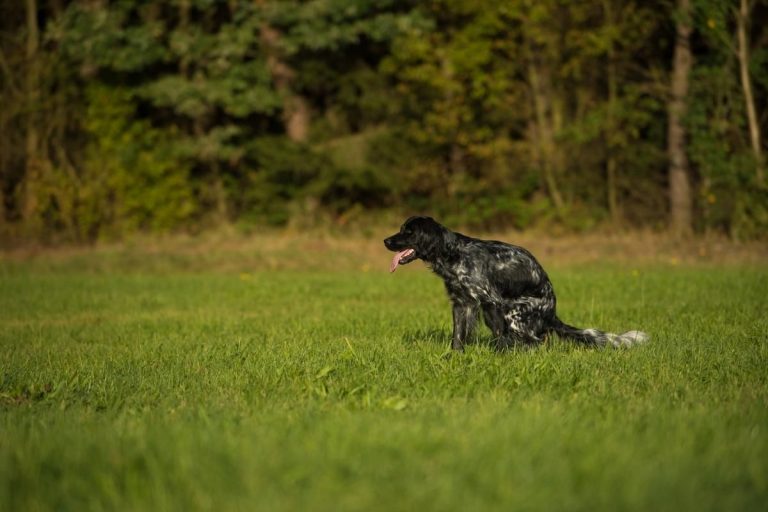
{"x": 630, "y": 338}
{"x": 627, "y": 339}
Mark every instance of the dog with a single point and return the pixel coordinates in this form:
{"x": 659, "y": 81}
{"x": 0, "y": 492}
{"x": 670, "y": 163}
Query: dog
{"x": 503, "y": 281}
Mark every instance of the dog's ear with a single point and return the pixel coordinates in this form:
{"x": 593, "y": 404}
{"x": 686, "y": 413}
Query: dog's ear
{"x": 434, "y": 240}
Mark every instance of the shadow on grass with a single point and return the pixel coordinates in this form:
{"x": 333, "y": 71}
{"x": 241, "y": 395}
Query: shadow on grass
{"x": 443, "y": 337}
{"x": 434, "y": 336}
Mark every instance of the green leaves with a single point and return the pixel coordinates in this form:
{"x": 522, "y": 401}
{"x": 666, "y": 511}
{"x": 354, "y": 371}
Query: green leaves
{"x": 322, "y": 25}
{"x": 482, "y": 112}
{"x": 105, "y": 39}
{"x": 238, "y": 91}
{"x": 133, "y": 177}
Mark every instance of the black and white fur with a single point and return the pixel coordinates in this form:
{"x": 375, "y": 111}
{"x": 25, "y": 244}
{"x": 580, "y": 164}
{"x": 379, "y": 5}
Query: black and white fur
{"x": 503, "y": 280}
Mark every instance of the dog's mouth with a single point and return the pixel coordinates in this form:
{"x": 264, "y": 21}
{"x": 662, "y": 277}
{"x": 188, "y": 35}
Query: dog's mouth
{"x": 402, "y": 258}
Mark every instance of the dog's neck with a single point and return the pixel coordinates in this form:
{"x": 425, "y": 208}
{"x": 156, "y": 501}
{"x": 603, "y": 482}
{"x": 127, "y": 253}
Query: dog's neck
{"x": 443, "y": 258}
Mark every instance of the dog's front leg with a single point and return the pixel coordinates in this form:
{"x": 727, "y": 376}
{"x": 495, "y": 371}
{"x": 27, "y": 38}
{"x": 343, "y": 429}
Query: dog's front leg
{"x": 464, "y": 316}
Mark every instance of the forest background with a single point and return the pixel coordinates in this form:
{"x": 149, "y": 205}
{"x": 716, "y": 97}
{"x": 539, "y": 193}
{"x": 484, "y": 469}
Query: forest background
{"x": 118, "y": 117}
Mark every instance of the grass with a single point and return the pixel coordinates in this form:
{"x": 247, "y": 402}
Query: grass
{"x": 130, "y": 387}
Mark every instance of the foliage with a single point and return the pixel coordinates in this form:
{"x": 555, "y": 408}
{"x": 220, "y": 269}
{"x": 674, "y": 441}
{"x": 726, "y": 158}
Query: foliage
{"x": 492, "y": 113}
{"x": 128, "y": 179}
{"x": 729, "y": 197}
{"x": 133, "y": 179}
{"x": 278, "y": 183}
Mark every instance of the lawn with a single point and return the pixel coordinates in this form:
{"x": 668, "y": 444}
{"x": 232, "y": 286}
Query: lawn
{"x": 152, "y": 387}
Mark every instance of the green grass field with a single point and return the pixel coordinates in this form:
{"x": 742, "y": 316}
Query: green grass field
{"x": 145, "y": 388}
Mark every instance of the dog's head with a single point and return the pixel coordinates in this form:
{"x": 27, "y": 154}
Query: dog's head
{"x": 418, "y": 238}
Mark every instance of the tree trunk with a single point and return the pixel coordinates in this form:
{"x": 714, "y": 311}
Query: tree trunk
{"x": 611, "y": 167}
{"x": 742, "y": 18}
{"x": 7, "y": 147}
{"x": 456, "y": 164}
{"x": 680, "y": 199}
{"x": 69, "y": 189}
{"x": 612, "y": 186}
{"x": 184, "y": 7}
{"x": 296, "y": 117}
{"x": 31, "y": 181}
{"x": 296, "y": 113}
{"x": 546, "y": 150}
{"x": 547, "y": 116}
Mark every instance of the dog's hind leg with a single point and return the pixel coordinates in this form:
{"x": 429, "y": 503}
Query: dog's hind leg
{"x": 503, "y": 336}
{"x": 493, "y": 316}
{"x": 516, "y": 339}
{"x": 524, "y": 326}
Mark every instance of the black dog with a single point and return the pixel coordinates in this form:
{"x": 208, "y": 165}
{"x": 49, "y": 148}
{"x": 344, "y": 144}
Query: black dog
{"x": 505, "y": 281}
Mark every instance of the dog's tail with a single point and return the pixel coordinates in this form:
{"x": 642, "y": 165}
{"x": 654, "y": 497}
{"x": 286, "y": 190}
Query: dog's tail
{"x": 598, "y": 338}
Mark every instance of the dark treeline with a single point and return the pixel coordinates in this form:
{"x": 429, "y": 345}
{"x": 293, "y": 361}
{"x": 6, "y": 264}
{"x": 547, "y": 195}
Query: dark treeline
{"x": 123, "y": 116}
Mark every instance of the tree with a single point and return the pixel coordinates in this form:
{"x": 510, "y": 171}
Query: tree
{"x": 680, "y": 197}
{"x": 32, "y": 169}
{"x": 134, "y": 115}
{"x": 724, "y": 128}
{"x": 616, "y": 104}
{"x": 742, "y": 27}
{"x": 541, "y": 52}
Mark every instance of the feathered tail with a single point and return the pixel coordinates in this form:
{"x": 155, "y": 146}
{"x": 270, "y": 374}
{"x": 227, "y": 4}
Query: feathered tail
{"x": 598, "y": 338}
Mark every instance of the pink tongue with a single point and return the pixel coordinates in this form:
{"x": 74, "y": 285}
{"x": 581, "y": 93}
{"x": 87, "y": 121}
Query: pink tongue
{"x": 396, "y": 259}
